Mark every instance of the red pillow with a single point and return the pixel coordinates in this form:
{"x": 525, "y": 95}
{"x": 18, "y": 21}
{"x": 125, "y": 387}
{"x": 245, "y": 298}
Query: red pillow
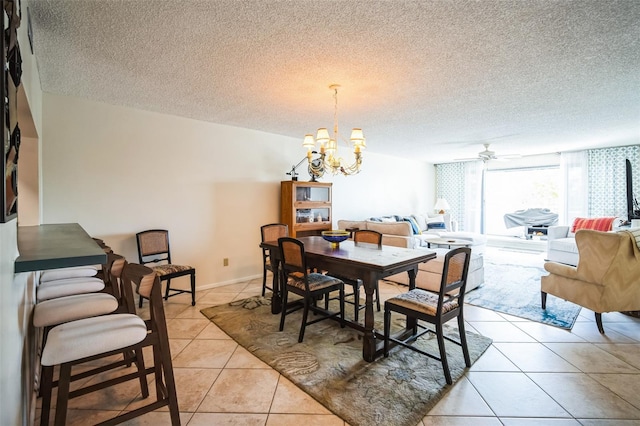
{"x": 597, "y": 224}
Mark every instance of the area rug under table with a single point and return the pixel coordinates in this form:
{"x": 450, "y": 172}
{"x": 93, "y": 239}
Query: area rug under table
{"x": 515, "y": 290}
{"x": 328, "y": 365}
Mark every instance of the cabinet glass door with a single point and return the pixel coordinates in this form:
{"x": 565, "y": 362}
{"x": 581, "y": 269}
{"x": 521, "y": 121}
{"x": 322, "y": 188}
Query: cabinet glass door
{"x": 312, "y": 215}
{"x": 312, "y": 193}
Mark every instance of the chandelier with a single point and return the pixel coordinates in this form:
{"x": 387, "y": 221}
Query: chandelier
{"x": 329, "y": 160}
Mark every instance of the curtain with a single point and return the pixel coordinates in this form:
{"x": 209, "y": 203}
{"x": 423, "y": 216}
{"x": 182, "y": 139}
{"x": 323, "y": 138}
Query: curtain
{"x": 450, "y": 186}
{"x": 574, "y": 187}
{"x": 607, "y": 189}
{"x": 472, "y": 219}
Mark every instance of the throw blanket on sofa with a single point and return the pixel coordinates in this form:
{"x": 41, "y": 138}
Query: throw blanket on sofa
{"x": 636, "y": 234}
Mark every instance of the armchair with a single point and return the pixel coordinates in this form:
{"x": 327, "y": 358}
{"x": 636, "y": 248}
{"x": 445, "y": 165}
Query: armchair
{"x": 606, "y": 279}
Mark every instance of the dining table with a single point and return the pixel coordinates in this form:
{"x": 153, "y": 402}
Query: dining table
{"x": 367, "y": 262}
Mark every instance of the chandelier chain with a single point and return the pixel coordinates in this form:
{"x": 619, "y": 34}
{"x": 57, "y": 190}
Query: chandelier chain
{"x": 329, "y": 159}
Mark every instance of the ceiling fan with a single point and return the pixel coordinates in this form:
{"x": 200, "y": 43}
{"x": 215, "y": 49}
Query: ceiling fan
{"x": 487, "y": 155}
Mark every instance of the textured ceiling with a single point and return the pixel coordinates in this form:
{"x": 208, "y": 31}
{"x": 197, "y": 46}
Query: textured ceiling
{"x": 424, "y": 79}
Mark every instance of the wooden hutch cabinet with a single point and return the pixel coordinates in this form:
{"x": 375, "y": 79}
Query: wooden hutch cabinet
{"x": 305, "y": 207}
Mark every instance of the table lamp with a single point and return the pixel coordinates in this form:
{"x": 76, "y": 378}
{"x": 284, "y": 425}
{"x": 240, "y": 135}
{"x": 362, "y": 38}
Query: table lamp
{"x": 441, "y": 205}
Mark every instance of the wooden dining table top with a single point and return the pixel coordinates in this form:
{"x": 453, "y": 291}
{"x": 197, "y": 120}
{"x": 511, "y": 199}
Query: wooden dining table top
{"x": 367, "y": 255}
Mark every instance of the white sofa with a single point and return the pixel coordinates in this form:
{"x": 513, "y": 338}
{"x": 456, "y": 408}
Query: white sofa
{"x": 561, "y": 245}
{"x": 401, "y": 234}
{"x": 561, "y": 242}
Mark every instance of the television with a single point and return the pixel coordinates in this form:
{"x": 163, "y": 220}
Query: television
{"x": 633, "y": 209}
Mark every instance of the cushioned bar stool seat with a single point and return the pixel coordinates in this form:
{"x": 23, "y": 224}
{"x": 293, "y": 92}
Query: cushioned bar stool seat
{"x": 90, "y": 336}
{"x": 68, "y": 287}
{"x": 70, "y": 308}
{"x": 49, "y": 312}
{"x": 74, "y": 272}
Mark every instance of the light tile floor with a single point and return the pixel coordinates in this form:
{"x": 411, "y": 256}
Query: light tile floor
{"x": 532, "y": 374}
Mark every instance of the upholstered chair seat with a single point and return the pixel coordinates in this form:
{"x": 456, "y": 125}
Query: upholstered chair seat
{"x": 74, "y": 272}
{"x": 68, "y": 287}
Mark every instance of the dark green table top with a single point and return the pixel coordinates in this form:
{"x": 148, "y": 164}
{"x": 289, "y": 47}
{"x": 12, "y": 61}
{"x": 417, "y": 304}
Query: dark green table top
{"x": 54, "y": 246}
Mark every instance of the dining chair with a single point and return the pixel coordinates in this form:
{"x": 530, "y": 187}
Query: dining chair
{"x": 437, "y": 309}
{"x": 311, "y": 286}
{"x": 153, "y": 248}
{"x": 85, "y": 340}
{"x": 270, "y": 232}
{"x": 360, "y": 237}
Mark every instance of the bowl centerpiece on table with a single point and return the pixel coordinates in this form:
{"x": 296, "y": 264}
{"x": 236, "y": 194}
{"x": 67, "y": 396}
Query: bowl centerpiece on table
{"x": 335, "y": 237}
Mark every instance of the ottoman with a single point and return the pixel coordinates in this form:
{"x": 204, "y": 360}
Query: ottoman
{"x": 430, "y": 273}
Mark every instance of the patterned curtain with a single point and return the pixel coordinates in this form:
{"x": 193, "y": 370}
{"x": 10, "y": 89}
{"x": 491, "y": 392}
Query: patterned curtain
{"x": 607, "y": 193}
{"x": 450, "y": 186}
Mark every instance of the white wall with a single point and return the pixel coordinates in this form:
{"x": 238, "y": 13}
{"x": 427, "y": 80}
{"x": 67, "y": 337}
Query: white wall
{"x": 17, "y": 292}
{"x": 118, "y": 170}
{"x": 16, "y": 302}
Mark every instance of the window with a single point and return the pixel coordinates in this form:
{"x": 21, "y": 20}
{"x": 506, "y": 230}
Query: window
{"x": 509, "y": 190}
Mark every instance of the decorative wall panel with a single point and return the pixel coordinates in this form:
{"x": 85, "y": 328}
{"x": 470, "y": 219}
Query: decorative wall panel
{"x": 12, "y": 66}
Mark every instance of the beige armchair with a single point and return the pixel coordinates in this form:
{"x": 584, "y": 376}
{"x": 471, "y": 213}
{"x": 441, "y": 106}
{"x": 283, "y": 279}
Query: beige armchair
{"x": 606, "y": 279}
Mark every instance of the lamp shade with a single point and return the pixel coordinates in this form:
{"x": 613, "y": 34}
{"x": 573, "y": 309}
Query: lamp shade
{"x": 441, "y": 205}
{"x": 332, "y": 146}
{"x": 308, "y": 142}
{"x": 323, "y": 136}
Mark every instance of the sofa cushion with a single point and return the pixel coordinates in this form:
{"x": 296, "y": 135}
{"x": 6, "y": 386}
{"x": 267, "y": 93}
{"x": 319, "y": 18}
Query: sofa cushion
{"x": 352, "y": 224}
{"x": 436, "y": 225}
{"x": 394, "y": 228}
{"x": 597, "y": 224}
{"x": 436, "y": 265}
{"x": 435, "y": 219}
{"x": 421, "y": 220}
{"x": 563, "y": 244}
{"x": 430, "y": 273}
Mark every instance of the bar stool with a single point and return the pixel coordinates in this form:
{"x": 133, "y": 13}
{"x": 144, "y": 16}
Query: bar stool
{"x": 88, "y": 339}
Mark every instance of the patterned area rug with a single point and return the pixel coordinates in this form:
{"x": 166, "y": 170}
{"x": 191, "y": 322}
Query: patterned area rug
{"x": 515, "y": 290}
{"x": 398, "y": 390}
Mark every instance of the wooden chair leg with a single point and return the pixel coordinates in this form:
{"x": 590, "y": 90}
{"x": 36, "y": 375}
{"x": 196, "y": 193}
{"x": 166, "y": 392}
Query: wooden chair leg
{"x": 342, "y": 324}
{"x": 139, "y": 360}
{"x": 285, "y": 297}
{"x": 193, "y": 289}
{"x": 264, "y": 281}
{"x": 46, "y": 385}
{"x": 63, "y": 394}
{"x": 599, "y": 322}
{"x": 166, "y": 292}
{"x": 543, "y": 295}
{"x": 443, "y": 353}
{"x": 305, "y": 313}
{"x": 356, "y": 299}
{"x": 387, "y": 330}
{"x": 463, "y": 340}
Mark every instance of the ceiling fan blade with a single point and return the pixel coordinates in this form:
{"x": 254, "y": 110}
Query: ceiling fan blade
{"x": 468, "y": 159}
